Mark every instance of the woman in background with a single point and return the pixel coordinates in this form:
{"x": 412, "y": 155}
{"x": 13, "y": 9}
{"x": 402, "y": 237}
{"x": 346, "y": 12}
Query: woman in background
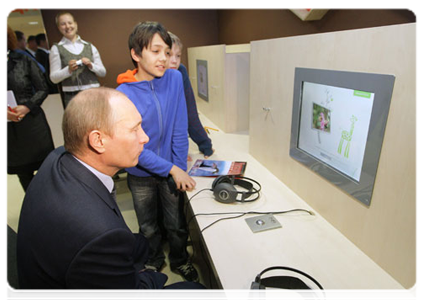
{"x": 29, "y": 138}
{"x": 74, "y": 63}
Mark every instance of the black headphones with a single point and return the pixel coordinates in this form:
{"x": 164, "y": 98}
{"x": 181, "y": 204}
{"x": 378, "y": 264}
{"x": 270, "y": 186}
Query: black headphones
{"x": 282, "y": 282}
{"x": 224, "y": 190}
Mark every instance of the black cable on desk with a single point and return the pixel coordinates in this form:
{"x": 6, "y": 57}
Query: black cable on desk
{"x": 232, "y": 213}
{"x": 240, "y": 214}
{"x": 189, "y": 200}
{"x": 228, "y": 218}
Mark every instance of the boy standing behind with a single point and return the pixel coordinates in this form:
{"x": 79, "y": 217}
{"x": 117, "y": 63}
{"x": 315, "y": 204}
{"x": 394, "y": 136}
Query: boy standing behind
{"x": 195, "y": 129}
{"x": 159, "y": 97}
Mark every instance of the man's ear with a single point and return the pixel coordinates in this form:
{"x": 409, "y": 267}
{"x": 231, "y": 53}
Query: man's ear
{"x": 96, "y": 141}
{"x": 135, "y": 56}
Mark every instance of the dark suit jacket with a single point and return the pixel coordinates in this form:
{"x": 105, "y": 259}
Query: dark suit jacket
{"x": 71, "y": 233}
{"x": 43, "y": 58}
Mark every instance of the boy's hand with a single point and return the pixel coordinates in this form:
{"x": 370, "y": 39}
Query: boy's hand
{"x": 182, "y": 180}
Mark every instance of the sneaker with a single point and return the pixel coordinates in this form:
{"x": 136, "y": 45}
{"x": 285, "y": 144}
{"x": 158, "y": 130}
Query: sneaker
{"x": 188, "y": 272}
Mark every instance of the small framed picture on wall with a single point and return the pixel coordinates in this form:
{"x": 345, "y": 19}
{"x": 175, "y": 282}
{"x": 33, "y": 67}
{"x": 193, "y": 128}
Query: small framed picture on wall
{"x": 202, "y": 80}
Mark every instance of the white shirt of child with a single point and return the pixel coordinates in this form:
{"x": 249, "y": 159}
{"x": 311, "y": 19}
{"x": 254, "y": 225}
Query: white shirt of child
{"x": 57, "y": 74}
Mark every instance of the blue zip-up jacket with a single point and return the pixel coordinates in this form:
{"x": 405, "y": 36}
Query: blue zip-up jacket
{"x": 161, "y": 103}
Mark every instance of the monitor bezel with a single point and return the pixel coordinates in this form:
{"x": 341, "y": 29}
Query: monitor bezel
{"x": 382, "y": 86}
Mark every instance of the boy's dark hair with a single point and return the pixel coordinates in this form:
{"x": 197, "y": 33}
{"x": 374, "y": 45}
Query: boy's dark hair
{"x": 143, "y": 33}
{"x": 40, "y": 37}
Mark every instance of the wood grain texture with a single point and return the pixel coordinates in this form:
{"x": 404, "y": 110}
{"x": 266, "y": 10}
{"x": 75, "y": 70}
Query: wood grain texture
{"x": 385, "y": 231}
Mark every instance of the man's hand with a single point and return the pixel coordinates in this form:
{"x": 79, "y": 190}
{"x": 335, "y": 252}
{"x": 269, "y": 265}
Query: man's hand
{"x": 182, "y": 180}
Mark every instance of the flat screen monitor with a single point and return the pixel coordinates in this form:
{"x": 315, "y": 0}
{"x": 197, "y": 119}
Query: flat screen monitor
{"x": 338, "y": 125}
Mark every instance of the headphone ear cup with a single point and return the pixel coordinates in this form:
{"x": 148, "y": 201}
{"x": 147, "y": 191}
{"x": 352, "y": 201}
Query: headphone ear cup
{"x": 220, "y": 179}
{"x": 225, "y": 193}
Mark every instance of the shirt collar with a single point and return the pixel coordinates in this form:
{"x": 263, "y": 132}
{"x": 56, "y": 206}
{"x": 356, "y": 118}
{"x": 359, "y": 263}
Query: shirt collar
{"x": 64, "y": 41}
{"x": 105, "y": 179}
{"x": 43, "y": 49}
{"x": 30, "y": 51}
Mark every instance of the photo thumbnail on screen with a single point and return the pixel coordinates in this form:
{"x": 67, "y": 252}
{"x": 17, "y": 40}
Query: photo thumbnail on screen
{"x": 321, "y": 118}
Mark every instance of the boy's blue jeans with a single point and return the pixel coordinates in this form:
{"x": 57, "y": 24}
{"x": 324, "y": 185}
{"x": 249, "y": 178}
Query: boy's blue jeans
{"x": 151, "y": 194}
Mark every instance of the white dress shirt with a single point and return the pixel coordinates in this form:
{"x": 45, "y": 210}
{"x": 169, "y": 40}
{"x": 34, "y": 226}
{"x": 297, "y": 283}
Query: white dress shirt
{"x": 45, "y": 50}
{"x": 31, "y": 51}
{"x": 105, "y": 179}
{"x": 57, "y": 74}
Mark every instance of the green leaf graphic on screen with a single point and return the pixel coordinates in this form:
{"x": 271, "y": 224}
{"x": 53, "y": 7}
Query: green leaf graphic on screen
{"x": 346, "y": 135}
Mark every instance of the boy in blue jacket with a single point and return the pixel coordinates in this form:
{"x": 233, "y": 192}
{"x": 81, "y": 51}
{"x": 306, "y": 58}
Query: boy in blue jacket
{"x": 161, "y": 171}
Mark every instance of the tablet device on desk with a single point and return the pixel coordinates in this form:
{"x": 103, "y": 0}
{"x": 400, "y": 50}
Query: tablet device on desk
{"x": 10, "y": 100}
{"x": 214, "y": 168}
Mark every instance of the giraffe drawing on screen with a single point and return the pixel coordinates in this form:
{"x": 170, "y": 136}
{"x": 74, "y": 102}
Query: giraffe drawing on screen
{"x": 346, "y": 135}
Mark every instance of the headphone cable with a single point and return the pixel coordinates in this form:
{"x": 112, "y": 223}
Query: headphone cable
{"x": 189, "y": 200}
{"x": 227, "y": 218}
{"x": 241, "y": 214}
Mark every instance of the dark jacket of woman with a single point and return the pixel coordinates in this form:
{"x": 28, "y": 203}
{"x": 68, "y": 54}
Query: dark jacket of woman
{"x": 29, "y": 141}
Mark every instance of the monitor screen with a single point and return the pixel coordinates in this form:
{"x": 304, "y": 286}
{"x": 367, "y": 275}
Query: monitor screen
{"x": 334, "y": 126}
{"x": 338, "y": 124}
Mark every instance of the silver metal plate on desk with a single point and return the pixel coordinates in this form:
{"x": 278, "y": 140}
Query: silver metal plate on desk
{"x": 262, "y": 223}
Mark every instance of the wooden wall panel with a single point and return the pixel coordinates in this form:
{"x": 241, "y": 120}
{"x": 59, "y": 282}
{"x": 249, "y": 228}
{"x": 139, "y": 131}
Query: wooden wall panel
{"x": 215, "y": 107}
{"x": 237, "y": 92}
{"x": 228, "y": 85}
{"x": 386, "y": 231}
{"x": 237, "y": 26}
{"x": 109, "y": 29}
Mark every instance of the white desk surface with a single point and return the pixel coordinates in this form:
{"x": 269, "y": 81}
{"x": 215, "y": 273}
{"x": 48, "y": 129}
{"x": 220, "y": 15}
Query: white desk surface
{"x": 307, "y": 243}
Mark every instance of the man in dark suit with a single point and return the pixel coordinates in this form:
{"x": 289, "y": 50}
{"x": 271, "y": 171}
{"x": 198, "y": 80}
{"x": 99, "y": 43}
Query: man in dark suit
{"x": 21, "y": 48}
{"x": 42, "y": 56}
{"x": 71, "y": 232}
{"x": 31, "y": 45}
{"x": 22, "y": 44}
